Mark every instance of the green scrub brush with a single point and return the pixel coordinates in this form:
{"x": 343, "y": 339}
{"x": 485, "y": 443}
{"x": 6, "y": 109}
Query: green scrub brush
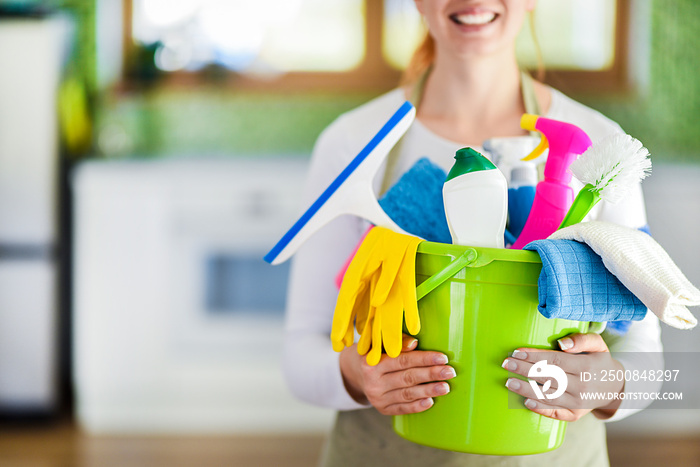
{"x": 609, "y": 169}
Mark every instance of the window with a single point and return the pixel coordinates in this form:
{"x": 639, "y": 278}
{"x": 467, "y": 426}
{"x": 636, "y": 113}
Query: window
{"x": 584, "y": 43}
{"x": 402, "y": 32}
{"x": 354, "y": 44}
{"x": 272, "y": 45}
{"x": 275, "y": 36}
{"x": 572, "y": 35}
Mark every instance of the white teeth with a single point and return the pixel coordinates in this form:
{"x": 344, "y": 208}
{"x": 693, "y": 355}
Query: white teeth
{"x": 476, "y": 19}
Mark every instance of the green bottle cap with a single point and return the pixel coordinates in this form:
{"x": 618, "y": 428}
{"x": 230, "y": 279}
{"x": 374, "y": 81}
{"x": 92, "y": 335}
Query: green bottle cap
{"x": 468, "y": 160}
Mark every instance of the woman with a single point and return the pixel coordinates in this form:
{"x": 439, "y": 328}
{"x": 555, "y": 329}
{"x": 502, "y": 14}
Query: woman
{"x": 470, "y": 89}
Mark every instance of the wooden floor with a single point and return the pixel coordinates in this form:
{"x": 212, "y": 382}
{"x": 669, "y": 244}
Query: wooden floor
{"x": 62, "y": 445}
{"x": 654, "y": 452}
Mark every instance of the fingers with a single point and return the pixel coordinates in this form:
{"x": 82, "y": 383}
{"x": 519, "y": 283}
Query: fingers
{"x": 572, "y": 366}
{"x": 406, "y": 360}
{"x": 564, "y": 408}
{"x": 578, "y": 343}
{"x": 414, "y": 399}
{"x": 523, "y": 368}
{"x": 543, "y": 394}
{"x": 408, "y": 342}
{"x": 418, "y": 376}
{"x": 408, "y": 383}
{"x": 554, "y": 384}
{"x": 406, "y": 391}
{"x": 523, "y": 360}
{"x": 555, "y": 412}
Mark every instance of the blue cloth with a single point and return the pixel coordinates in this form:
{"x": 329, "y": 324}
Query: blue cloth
{"x": 574, "y": 284}
{"x": 415, "y": 202}
{"x": 619, "y": 328}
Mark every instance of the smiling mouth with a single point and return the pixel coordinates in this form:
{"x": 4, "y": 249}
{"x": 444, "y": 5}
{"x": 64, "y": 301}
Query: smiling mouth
{"x": 473, "y": 19}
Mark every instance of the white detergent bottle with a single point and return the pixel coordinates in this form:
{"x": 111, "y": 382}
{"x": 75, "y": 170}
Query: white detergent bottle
{"x": 475, "y": 195}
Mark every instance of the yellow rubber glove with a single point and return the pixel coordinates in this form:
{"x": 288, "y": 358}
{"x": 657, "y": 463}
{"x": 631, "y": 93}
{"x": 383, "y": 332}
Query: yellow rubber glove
{"x": 363, "y": 322}
{"x": 378, "y": 292}
{"x": 400, "y": 301}
{"x": 375, "y": 353}
{"x": 407, "y": 278}
{"x": 390, "y": 315}
{"x": 363, "y": 345}
{"x": 358, "y": 278}
{"x": 362, "y": 319}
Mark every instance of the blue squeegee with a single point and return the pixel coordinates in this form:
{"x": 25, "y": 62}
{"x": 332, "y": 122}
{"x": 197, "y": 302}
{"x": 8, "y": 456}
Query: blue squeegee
{"x": 351, "y": 192}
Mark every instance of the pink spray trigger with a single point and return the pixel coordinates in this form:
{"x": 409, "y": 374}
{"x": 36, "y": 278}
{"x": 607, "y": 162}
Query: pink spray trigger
{"x": 553, "y": 196}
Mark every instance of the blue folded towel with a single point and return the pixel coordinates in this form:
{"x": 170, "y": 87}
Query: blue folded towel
{"x": 415, "y": 202}
{"x": 574, "y": 284}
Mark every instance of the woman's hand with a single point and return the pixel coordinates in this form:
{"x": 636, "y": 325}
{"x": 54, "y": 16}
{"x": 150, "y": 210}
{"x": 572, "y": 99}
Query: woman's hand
{"x": 396, "y": 386}
{"x": 580, "y": 353}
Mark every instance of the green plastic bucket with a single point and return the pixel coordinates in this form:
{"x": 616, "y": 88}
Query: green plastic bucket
{"x": 477, "y": 306}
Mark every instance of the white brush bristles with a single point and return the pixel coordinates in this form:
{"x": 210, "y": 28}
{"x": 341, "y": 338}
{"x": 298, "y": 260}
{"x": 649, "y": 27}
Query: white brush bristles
{"x": 613, "y": 166}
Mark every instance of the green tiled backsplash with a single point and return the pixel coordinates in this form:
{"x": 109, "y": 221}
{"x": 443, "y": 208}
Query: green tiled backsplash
{"x": 219, "y": 122}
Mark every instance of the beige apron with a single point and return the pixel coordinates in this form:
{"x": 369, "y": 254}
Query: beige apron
{"x": 366, "y": 438}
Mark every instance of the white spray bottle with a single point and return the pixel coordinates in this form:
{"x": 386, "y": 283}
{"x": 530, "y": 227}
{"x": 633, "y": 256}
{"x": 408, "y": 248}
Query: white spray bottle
{"x": 475, "y": 195}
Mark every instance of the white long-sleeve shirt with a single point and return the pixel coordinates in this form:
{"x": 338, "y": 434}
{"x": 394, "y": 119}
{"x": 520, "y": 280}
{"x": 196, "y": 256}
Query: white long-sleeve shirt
{"x": 310, "y": 365}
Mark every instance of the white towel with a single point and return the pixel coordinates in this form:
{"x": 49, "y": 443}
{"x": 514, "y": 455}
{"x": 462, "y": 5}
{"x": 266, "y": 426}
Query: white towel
{"x": 643, "y": 266}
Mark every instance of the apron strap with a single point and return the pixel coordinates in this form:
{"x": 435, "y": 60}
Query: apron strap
{"x": 393, "y": 157}
{"x": 532, "y": 105}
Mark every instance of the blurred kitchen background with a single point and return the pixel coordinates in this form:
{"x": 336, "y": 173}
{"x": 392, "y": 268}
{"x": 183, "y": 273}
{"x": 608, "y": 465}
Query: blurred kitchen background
{"x": 151, "y": 151}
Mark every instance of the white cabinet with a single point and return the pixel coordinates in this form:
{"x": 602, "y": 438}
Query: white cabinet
{"x": 166, "y": 337}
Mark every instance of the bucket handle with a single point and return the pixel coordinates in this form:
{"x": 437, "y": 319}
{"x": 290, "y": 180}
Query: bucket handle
{"x": 459, "y": 263}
